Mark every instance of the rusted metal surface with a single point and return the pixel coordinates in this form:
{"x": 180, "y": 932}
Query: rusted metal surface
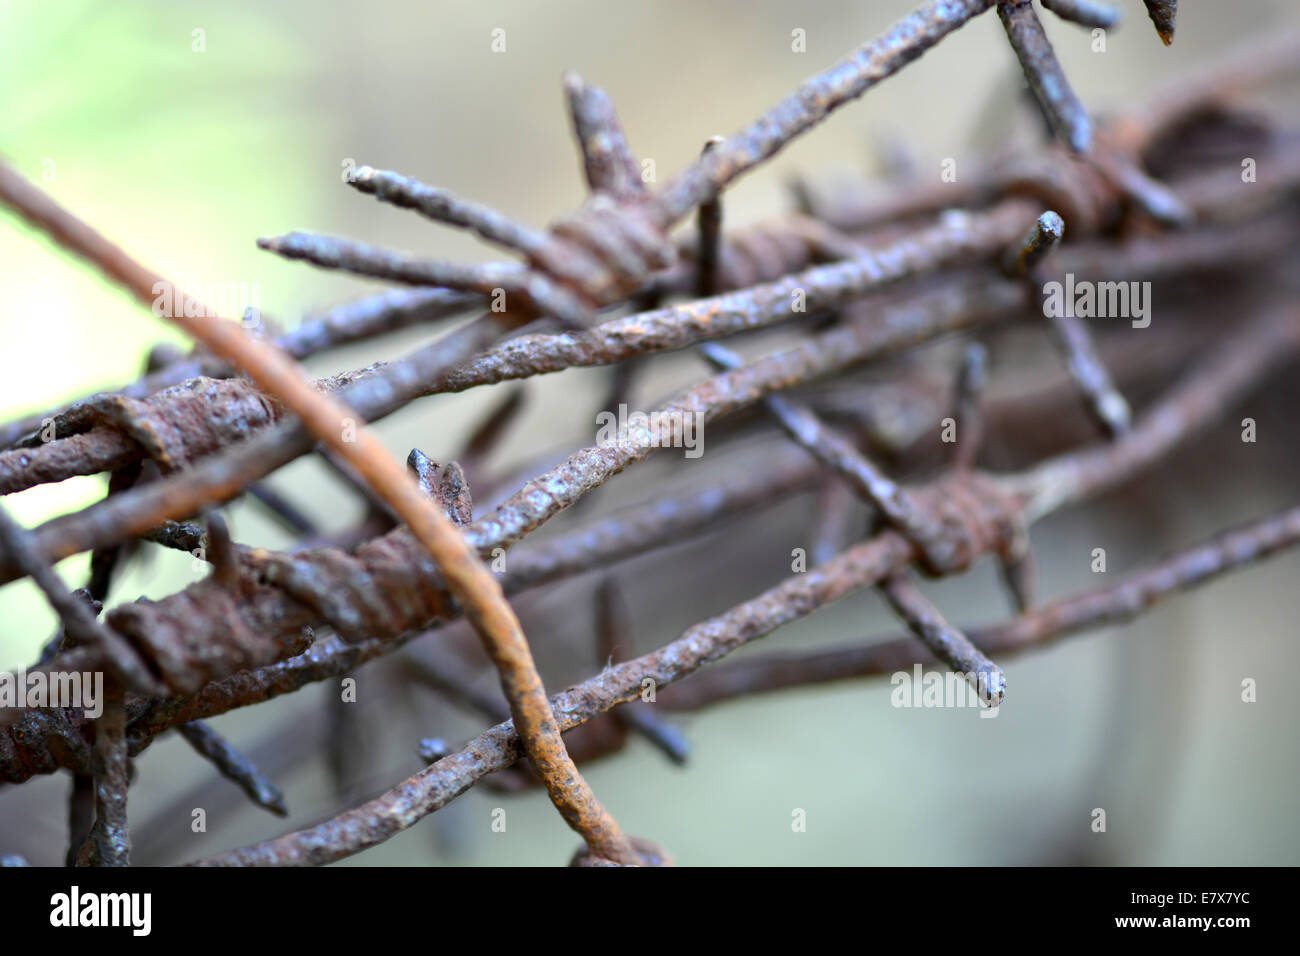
{"x": 1163, "y": 14}
{"x": 946, "y": 642}
{"x": 871, "y": 281}
{"x": 1074, "y": 187}
{"x": 174, "y": 428}
{"x": 472, "y": 585}
{"x": 109, "y": 840}
{"x": 366, "y": 319}
{"x": 1068, "y": 116}
{"x": 1264, "y": 344}
{"x": 234, "y": 766}
{"x": 79, "y": 621}
{"x": 497, "y": 749}
{"x": 1086, "y": 13}
{"x": 1108, "y": 605}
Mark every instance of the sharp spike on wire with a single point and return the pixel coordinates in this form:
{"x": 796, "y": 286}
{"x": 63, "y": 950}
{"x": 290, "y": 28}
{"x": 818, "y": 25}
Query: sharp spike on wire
{"x": 1071, "y": 334}
{"x": 433, "y": 749}
{"x": 608, "y": 161}
{"x": 710, "y": 234}
{"x": 359, "y": 258}
{"x": 442, "y": 206}
{"x": 1044, "y": 73}
{"x": 535, "y": 292}
{"x": 234, "y": 766}
{"x": 1154, "y": 198}
{"x": 61, "y": 640}
{"x": 347, "y": 743}
{"x": 946, "y": 642}
{"x": 222, "y": 553}
{"x": 815, "y": 99}
{"x": 1163, "y": 13}
{"x": 445, "y": 483}
{"x": 664, "y": 734}
{"x": 1103, "y": 399}
{"x": 1086, "y": 13}
{"x": 1043, "y": 236}
{"x": 1019, "y": 574}
{"x": 424, "y": 468}
{"x": 889, "y": 498}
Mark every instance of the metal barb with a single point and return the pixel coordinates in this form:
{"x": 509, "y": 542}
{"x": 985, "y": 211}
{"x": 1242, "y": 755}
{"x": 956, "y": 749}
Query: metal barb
{"x": 234, "y": 766}
{"x": 946, "y": 642}
{"x": 1043, "y": 72}
{"x": 1163, "y": 13}
{"x": 1087, "y": 13}
{"x": 875, "y": 280}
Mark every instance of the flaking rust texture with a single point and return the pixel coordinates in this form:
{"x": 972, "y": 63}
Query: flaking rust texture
{"x": 808, "y": 300}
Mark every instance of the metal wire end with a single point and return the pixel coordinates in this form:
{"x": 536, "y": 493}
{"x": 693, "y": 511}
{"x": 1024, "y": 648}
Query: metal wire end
{"x": 1086, "y": 13}
{"x": 1043, "y": 236}
{"x": 234, "y": 766}
{"x": 1163, "y": 13}
{"x": 442, "y": 206}
{"x": 946, "y": 642}
{"x": 1043, "y": 71}
{"x": 608, "y": 162}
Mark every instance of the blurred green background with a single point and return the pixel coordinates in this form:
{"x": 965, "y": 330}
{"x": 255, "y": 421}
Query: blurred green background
{"x": 186, "y": 130}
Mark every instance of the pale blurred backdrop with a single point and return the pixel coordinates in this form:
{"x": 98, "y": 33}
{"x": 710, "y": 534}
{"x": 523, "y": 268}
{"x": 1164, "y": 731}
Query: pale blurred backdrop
{"x": 186, "y": 130}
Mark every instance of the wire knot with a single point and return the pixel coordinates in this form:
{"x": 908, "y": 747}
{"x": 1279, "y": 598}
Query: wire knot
{"x": 605, "y": 250}
{"x": 971, "y": 515}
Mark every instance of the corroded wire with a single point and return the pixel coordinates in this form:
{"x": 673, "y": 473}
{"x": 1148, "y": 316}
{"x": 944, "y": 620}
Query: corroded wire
{"x": 1105, "y": 606}
{"x": 1071, "y": 334}
{"x": 211, "y": 481}
{"x": 946, "y": 642}
{"x": 1046, "y": 78}
{"x": 109, "y": 840}
{"x": 1163, "y": 14}
{"x": 467, "y": 578}
{"x": 496, "y": 749}
{"x": 441, "y": 206}
{"x": 234, "y": 766}
{"x": 79, "y": 622}
{"x": 259, "y": 606}
{"x": 1086, "y": 13}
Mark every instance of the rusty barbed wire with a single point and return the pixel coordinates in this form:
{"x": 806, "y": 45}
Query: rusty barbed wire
{"x": 817, "y": 295}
